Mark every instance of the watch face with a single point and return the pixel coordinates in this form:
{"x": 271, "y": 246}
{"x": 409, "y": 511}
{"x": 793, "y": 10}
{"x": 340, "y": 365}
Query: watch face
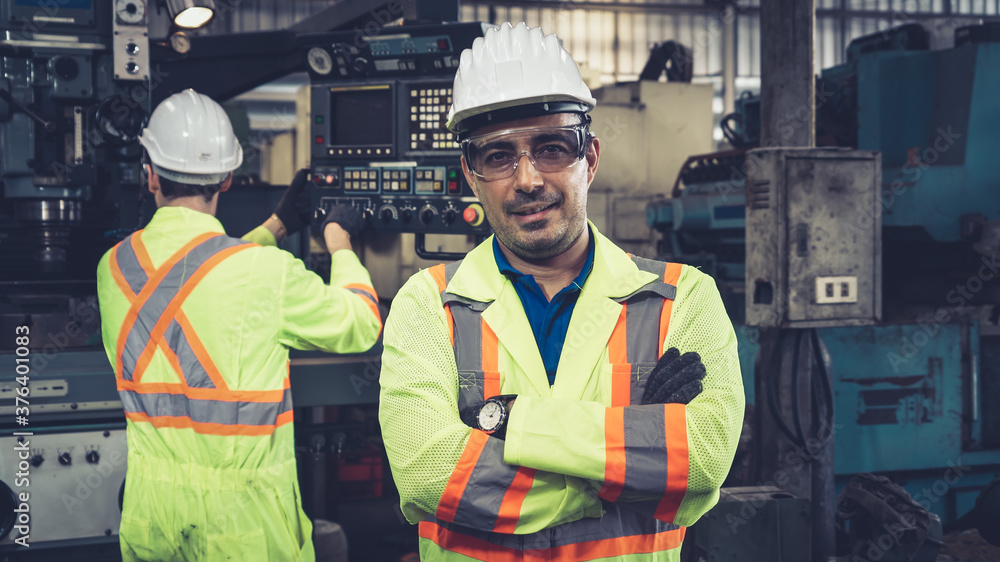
{"x": 490, "y": 416}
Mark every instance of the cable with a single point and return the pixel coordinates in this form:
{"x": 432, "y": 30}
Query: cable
{"x": 821, "y": 391}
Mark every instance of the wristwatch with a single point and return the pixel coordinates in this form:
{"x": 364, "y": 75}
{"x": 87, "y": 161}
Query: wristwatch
{"x": 492, "y": 416}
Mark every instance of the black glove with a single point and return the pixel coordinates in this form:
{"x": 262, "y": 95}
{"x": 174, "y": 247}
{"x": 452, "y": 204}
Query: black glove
{"x": 348, "y": 217}
{"x": 676, "y": 378}
{"x": 295, "y": 208}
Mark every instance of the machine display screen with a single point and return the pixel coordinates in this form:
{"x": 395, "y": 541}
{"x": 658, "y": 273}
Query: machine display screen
{"x": 361, "y": 117}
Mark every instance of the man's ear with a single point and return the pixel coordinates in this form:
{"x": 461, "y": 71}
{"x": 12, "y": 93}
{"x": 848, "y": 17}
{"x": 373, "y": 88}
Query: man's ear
{"x": 152, "y": 179}
{"x": 469, "y": 177}
{"x": 593, "y": 156}
{"x": 226, "y": 183}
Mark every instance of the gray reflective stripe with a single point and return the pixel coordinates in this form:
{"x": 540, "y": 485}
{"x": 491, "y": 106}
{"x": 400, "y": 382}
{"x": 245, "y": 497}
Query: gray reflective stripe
{"x": 642, "y": 328}
{"x": 194, "y": 372}
{"x": 206, "y": 411}
{"x": 139, "y": 335}
{"x": 366, "y": 294}
{"x": 650, "y": 266}
{"x": 469, "y": 355}
{"x": 617, "y": 522}
{"x": 483, "y": 495}
{"x": 645, "y": 450}
{"x": 449, "y": 298}
{"x": 128, "y": 263}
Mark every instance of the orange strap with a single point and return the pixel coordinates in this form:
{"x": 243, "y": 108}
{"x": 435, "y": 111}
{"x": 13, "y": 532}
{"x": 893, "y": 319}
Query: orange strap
{"x": 614, "y": 447}
{"x": 675, "y": 422}
{"x": 513, "y": 499}
{"x": 671, "y": 275}
{"x": 621, "y": 383}
{"x": 452, "y": 495}
{"x": 151, "y": 284}
{"x": 438, "y": 273}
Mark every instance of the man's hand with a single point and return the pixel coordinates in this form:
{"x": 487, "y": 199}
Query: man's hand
{"x": 295, "y": 208}
{"x": 676, "y": 378}
{"x": 343, "y": 223}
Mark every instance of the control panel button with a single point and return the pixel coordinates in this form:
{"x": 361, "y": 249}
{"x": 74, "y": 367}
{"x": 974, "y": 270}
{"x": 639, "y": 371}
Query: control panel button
{"x": 93, "y": 457}
{"x": 473, "y": 214}
{"x": 65, "y": 459}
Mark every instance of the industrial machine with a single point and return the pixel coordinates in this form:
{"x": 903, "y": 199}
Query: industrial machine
{"x": 865, "y": 269}
{"x": 378, "y": 118}
{"x": 80, "y": 79}
{"x": 73, "y": 99}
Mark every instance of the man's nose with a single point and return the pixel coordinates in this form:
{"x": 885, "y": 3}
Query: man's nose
{"x": 528, "y": 177}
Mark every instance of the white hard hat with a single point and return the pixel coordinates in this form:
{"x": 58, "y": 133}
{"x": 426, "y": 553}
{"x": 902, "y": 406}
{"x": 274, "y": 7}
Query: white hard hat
{"x": 190, "y": 140}
{"x": 512, "y": 73}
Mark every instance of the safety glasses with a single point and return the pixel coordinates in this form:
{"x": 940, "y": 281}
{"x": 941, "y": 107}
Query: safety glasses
{"x": 496, "y": 156}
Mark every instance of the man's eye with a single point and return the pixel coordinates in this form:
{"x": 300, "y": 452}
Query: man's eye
{"x": 553, "y": 149}
{"x": 496, "y": 157}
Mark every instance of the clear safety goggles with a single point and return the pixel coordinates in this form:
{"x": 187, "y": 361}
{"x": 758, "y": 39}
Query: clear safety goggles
{"x": 495, "y": 156}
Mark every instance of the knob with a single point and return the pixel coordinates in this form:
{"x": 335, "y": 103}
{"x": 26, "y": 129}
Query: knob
{"x": 449, "y": 215}
{"x": 360, "y": 65}
{"x": 65, "y": 459}
{"x": 367, "y": 213}
{"x": 93, "y": 457}
{"x": 387, "y": 213}
{"x": 36, "y": 460}
{"x": 427, "y": 214}
{"x": 406, "y": 213}
{"x": 473, "y": 214}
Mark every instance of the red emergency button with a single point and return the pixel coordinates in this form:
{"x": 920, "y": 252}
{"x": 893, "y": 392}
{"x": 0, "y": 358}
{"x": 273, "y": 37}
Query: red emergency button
{"x": 473, "y": 214}
{"x": 319, "y": 140}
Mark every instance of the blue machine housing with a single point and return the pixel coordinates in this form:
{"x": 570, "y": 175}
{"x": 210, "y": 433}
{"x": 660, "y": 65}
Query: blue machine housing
{"x": 914, "y": 395}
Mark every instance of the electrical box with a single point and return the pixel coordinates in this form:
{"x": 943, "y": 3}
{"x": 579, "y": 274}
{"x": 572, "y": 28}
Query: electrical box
{"x": 813, "y": 238}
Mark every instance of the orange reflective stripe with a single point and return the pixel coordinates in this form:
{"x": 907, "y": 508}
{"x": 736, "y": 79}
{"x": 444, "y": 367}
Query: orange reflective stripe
{"x": 620, "y": 546}
{"x": 372, "y": 305}
{"x": 199, "y": 351}
{"x": 184, "y": 422}
{"x": 203, "y": 393}
{"x": 147, "y": 291}
{"x": 513, "y": 498}
{"x": 675, "y": 424}
{"x": 147, "y": 265}
{"x": 141, "y": 254}
{"x": 438, "y": 273}
{"x": 621, "y": 384}
{"x": 671, "y": 275}
{"x": 459, "y": 478}
{"x": 491, "y": 360}
{"x": 119, "y": 278}
{"x": 156, "y": 334}
{"x": 466, "y": 545}
{"x": 614, "y": 451}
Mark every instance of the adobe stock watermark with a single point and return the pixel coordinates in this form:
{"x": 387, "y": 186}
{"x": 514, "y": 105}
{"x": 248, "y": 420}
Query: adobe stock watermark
{"x": 929, "y": 325}
{"x": 84, "y": 316}
{"x": 87, "y": 485}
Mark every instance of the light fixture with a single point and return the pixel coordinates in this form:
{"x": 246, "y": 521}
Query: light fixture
{"x": 191, "y": 14}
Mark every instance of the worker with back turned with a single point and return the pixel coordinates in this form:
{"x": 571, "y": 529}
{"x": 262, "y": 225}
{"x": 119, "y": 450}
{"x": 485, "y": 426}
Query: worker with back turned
{"x": 197, "y": 327}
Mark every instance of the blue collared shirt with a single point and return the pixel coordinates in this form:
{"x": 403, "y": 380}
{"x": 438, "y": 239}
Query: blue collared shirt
{"x": 549, "y": 319}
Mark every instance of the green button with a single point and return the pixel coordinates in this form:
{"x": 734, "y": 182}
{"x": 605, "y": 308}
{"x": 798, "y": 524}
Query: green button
{"x": 319, "y": 119}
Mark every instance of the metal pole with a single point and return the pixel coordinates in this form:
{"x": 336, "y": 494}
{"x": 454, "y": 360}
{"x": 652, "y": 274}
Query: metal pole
{"x": 728, "y": 15}
{"x": 787, "y": 91}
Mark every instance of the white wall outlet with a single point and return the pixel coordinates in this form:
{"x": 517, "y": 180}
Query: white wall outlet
{"x": 836, "y": 290}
